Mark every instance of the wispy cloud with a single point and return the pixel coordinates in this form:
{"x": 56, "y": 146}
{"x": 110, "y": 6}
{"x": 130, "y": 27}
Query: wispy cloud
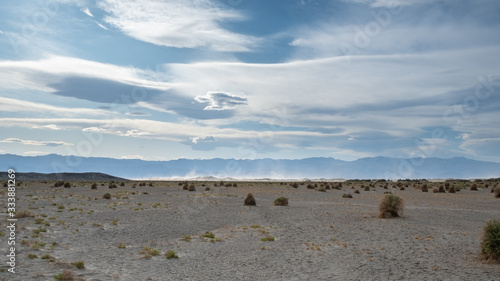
{"x": 196, "y": 140}
{"x": 221, "y": 100}
{"x": 34, "y": 142}
{"x": 87, "y": 12}
{"x": 178, "y": 23}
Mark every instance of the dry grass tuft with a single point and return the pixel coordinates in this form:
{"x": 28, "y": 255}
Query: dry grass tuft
{"x": 281, "y": 201}
{"x": 490, "y": 244}
{"x": 391, "y": 206}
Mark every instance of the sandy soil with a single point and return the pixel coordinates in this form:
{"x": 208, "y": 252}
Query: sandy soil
{"x": 319, "y": 236}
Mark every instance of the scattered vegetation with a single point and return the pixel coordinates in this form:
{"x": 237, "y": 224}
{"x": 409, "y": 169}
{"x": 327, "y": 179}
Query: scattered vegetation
{"x": 281, "y": 201}
{"x": 267, "y": 239}
{"x": 66, "y": 275}
{"x": 24, "y": 214}
{"x": 79, "y": 264}
{"x": 171, "y": 255}
{"x": 148, "y": 252}
{"x": 250, "y": 200}
{"x": 106, "y": 196}
{"x": 208, "y": 235}
{"x": 390, "y": 206}
{"x": 121, "y": 246}
{"x": 490, "y": 244}
{"x": 187, "y": 238}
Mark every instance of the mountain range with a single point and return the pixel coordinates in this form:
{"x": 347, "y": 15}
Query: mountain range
{"x": 313, "y": 168}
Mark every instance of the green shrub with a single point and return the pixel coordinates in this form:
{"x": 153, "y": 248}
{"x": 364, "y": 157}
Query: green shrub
{"x": 208, "y": 235}
{"x": 267, "y": 239}
{"x": 490, "y": 244}
{"x": 79, "y": 264}
{"x": 281, "y": 201}
{"x": 171, "y": 255}
{"x": 390, "y": 206}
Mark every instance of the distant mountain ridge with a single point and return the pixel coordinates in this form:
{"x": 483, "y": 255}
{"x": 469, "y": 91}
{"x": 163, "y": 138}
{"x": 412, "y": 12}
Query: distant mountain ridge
{"x": 365, "y": 168}
{"x": 30, "y": 176}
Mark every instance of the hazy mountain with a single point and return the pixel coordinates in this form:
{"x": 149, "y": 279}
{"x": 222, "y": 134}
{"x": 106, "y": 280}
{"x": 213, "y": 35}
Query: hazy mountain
{"x": 365, "y": 168}
{"x": 61, "y": 176}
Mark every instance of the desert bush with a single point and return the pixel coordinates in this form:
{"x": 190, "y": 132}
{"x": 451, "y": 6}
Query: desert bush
{"x": 496, "y": 192}
{"x": 446, "y": 185}
{"x": 268, "y": 239}
{"x": 424, "y": 188}
{"x": 228, "y": 184}
{"x": 356, "y": 191}
{"x": 106, "y": 196}
{"x": 235, "y": 185}
{"x": 208, "y": 234}
{"x": 185, "y": 186}
{"x": 66, "y": 275}
{"x": 171, "y": 255}
{"x": 79, "y": 264}
{"x": 310, "y": 186}
{"x": 322, "y": 189}
{"x": 281, "y": 201}
{"x": 207, "y": 188}
{"x": 192, "y": 187}
{"x": 451, "y": 189}
{"x": 23, "y": 214}
{"x": 250, "y": 200}
{"x": 347, "y": 195}
{"x": 295, "y": 185}
{"x": 367, "y": 188}
{"x": 122, "y": 184}
{"x": 390, "y": 206}
{"x": 402, "y": 188}
{"x": 490, "y": 244}
{"x": 94, "y": 186}
{"x": 67, "y": 185}
{"x": 441, "y": 189}
{"x": 112, "y": 185}
{"x": 473, "y": 187}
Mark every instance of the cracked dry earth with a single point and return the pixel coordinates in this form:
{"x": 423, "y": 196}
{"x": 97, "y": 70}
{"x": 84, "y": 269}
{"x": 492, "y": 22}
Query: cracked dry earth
{"x": 319, "y": 236}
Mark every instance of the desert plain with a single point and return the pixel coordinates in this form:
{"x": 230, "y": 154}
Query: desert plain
{"x": 211, "y": 235}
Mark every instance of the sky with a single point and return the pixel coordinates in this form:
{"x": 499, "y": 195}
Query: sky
{"x": 250, "y": 79}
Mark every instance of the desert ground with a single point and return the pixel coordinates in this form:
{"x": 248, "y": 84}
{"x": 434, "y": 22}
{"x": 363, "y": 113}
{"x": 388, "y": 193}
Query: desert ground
{"x": 318, "y": 236}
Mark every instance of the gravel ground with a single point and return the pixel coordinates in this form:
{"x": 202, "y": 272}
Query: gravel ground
{"x": 319, "y": 236}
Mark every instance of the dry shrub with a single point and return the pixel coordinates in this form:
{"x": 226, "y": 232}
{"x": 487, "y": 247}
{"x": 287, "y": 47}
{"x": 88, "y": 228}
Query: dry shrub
{"x": 281, "y": 201}
{"x": 391, "y": 206}
{"x": 490, "y": 244}
{"x": 250, "y": 200}
{"x": 106, "y": 196}
{"x": 356, "y": 191}
{"x": 322, "y": 189}
{"x": 451, "y": 189}
{"x": 367, "y": 188}
{"x": 347, "y": 195}
{"x": 94, "y": 186}
{"x": 66, "y": 275}
{"x": 473, "y": 187}
{"x": 310, "y": 186}
{"x": 23, "y": 214}
{"x": 192, "y": 188}
{"x": 496, "y": 191}
{"x": 185, "y": 186}
{"x": 424, "y": 188}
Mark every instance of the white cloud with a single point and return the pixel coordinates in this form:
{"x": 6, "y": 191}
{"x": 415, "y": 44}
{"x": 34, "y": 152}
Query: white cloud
{"x": 35, "y": 153}
{"x": 221, "y": 100}
{"x": 16, "y": 105}
{"x": 177, "y": 23}
{"x": 135, "y": 133}
{"x": 87, "y": 12}
{"x": 48, "y": 127}
{"x": 196, "y": 140}
{"x": 101, "y": 26}
{"x": 140, "y": 157}
{"x": 34, "y": 142}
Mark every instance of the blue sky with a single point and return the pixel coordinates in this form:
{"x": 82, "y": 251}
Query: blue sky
{"x": 245, "y": 79}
